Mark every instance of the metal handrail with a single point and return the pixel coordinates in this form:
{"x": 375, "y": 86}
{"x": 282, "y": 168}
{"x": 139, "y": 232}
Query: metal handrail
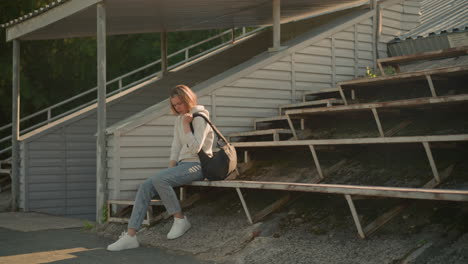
{"x": 119, "y": 80}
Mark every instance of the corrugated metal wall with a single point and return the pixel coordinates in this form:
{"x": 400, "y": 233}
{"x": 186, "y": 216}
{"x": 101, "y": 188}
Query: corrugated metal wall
{"x": 397, "y": 19}
{"x": 140, "y": 152}
{"x": 58, "y": 166}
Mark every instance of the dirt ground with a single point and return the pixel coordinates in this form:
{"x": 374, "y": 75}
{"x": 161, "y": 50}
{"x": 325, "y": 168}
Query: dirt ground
{"x": 319, "y": 228}
{"x": 312, "y": 228}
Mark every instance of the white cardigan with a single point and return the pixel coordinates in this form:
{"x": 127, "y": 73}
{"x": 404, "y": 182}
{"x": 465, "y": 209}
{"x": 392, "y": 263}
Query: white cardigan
{"x": 185, "y": 146}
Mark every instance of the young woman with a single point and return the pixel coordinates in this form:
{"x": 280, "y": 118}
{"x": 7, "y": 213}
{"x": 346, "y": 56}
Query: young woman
{"x": 184, "y": 168}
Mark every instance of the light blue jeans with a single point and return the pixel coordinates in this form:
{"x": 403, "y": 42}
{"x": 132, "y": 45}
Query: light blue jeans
{"x": 162, "y": 184}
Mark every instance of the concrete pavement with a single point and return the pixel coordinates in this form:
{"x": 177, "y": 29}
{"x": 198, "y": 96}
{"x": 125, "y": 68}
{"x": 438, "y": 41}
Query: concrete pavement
{"x": 72, "y": 245}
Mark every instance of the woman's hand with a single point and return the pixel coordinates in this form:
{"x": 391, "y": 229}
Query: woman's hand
{"x": 188, "y": 118}
{"x": 172, "y": 163}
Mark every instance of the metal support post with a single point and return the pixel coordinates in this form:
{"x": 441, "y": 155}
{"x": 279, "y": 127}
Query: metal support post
{"x": 182, "y": 193}
{"x": 317, "y": 164}
{"x": 101, "y": 111}
{"x": 355, "y": 216}
{"x": 276, "y": 26}
{"x": 431, "y": 161}
{"x": 377, "y": 120}
{"x": 431, "y": 85}
{"x": 15, "y": 126}
{"x": 246, "y": 157}
{"x": 247, "y": 213}
{"x": 291, "y": 125}
{"x": 343, "y": 97}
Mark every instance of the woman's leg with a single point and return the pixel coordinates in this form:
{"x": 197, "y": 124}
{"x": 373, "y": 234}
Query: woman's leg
{"x": 146, "y": 191}
{"x": 165, "y": 181}
{"x": 128, "y": 240}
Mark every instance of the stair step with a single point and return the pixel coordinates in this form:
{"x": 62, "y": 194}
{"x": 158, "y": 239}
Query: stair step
{"x": 269, "y": 120}
{"x": 273, "y": 132}
{"x": 261, "y": 132}
{"x": 5, "y": 171}
{"x": 317, "y": 92}
{"x": 4, "y": 178}
{"x": 5, "y": 163}
{"x": 324, "y": 102}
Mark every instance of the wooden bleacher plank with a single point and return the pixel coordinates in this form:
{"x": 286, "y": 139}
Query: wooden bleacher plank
{"x": 353, "y": 141}
{"x": 437, "y": 54}
{"x": 378, "y": 191}
{"x": 132, "y": 202}
{"x": 261, "y": 132}
{"x": 404, "y": 76}
{"x": 328, "y": 101}
{"x": 327, "y": 90}
{"x": 368, "y": 106}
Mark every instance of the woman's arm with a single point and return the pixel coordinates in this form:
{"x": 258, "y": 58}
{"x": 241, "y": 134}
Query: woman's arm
{"x": 195, "y": 140}
{"x": 175, "y": 147}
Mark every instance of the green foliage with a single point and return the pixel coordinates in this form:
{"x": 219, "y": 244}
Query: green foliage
{"x": 370, "y": 73}
{"x": 104, "y": 214}
{"x": 388, "y": 70}
{"x": 55, "y": 70}
{"x": 87, "y": 225}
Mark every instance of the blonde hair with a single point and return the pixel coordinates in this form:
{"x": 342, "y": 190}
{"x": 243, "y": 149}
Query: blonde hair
{"x": 185, "y": 94}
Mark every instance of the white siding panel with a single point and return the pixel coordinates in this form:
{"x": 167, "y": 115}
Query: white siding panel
{"x": 343, "y": 70}
{"x": 204, "y": 100}
{"x": 345, "y": 61}
{"x": 345, "y": 44}
{"x": 167, "y": 120}
{"x": 244, "y": 111}
{"x": 365, "y": 46}
{"x": 397, "y": 9}
{"x": 323, "y": 43}
{"x": 315, "y": 59}
{"x": 306, "y": 86}
{"x": 249, "y": 102}
{"x": 311, "y": 77}
{"x": 138, "y": 173}
{"x": 365, "y": 55}
{"x": 145, "y": 141}
{"x": 136, "y": 152}
{"x": 271, "y": 74}
{"x": 285, "y": 59}
{"x": 364, "y": 29}
{"x": 315, "y": 50}
{"x": 303, "y": 67}
{"x": 344, "y": 36}
{"x": 344, "y": 53}
{"x": 392, "y": 23}
{"x": 365, "y": 37}
{"x": 366, "y": 22}
{"x": 129, "y": 163}
{"x": 234, "y": 121}
{"x": 279, "y": 66}
{"x": 257, "y": 94}
{"x": 342, "y": 78}
{"x": 239, "y": 92}
{"x": 147, "y": 130}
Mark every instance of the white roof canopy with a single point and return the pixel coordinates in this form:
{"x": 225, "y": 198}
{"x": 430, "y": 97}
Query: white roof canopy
{"x": 77, "y": 18}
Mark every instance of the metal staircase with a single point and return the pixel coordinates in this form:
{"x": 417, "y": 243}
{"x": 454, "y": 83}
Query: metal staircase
{"x": 189, "y": 56}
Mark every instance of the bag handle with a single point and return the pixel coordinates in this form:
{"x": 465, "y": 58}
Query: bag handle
{"x": 215, "y": 129}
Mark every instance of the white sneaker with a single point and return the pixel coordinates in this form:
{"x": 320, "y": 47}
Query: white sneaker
{"x": 125, "y": 241}
{"x": 179, "y": 228}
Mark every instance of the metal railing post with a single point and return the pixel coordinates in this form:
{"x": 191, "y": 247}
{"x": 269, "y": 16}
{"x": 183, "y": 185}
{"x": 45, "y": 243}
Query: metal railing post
{"x": 120, "y": 84}
{"x": 119, "y": 80}
{"x": 15, "y": 128}
{"x": 49, "y": 115}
